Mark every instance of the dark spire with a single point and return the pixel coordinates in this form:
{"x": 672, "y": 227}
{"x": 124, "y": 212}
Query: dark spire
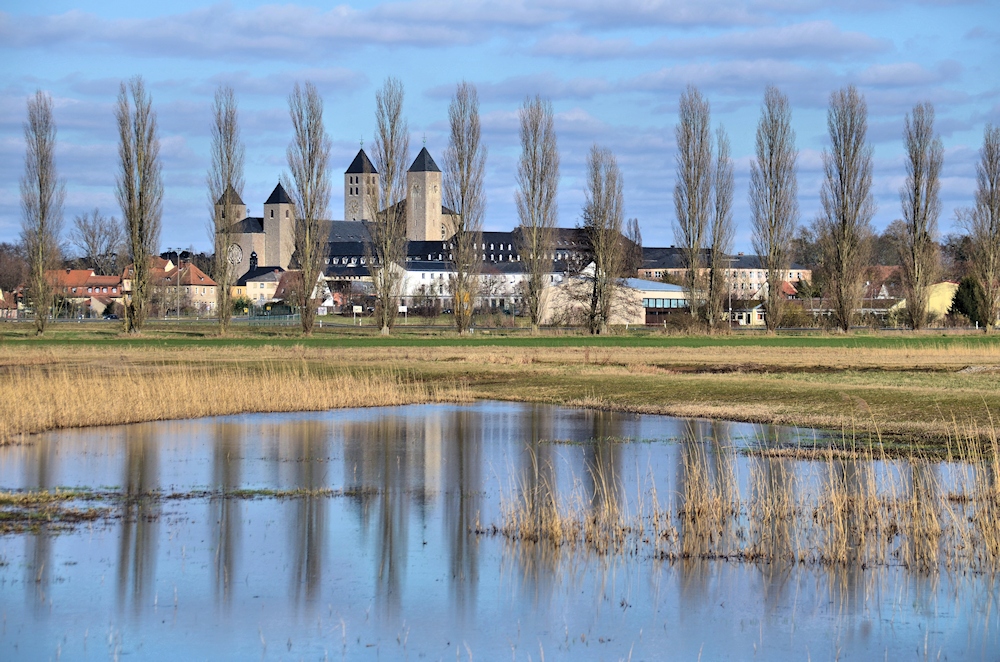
{"x": 424, "y": 162}
{"x": 232, "y": 195}
{"x": 253, "y": 260}
{"x": 361, "y": 165}
{"x": 278, "y": 197}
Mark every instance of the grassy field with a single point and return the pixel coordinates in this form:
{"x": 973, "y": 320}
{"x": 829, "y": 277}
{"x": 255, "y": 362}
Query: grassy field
{"x": 915, "y": 389}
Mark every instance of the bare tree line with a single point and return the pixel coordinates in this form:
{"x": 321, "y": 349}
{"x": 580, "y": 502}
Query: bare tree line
{"x": 703, "y": 195}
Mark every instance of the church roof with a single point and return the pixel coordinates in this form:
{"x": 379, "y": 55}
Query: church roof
{"x": 278, "y": 196}
{"x": 249, "y": 225}
{"x": 232, "y": 195}
{"x": 361, "y": 165}
{"x": 424, "y": 162}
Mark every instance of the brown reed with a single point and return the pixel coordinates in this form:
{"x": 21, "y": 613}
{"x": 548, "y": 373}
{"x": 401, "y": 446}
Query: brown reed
{"x": 41, "y": 397}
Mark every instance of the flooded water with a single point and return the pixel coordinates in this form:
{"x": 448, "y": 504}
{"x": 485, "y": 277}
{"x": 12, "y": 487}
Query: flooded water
{"x": 382, "y": 547}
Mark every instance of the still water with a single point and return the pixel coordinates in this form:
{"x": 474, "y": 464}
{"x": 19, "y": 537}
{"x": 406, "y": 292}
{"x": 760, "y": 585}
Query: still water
{"x": 390, "y": 566}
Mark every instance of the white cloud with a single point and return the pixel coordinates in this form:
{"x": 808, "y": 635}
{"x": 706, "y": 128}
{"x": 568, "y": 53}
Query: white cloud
{"x": 814, "y": 40}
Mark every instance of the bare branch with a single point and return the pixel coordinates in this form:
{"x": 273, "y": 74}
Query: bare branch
{"x": 722, "y": 231}
{"x": 225, "y": 195}
{"x": 101, "y": 242}
{"x": 603, "y": 215}
{"x": 918, "y": 249}
{"x": 140, "y": 192}
{"x": 848, "y": 205}
{"x": 42, "y": 196}
{"x": 537, "y": 209}
{"x": 693, "y": 189}
{"x": 386, "y": 252}
{"x": 308, "y": 158}
{"x": 774, "y": 196}
{"x": 465, "y": 168}
{"x": 983, "y": 223}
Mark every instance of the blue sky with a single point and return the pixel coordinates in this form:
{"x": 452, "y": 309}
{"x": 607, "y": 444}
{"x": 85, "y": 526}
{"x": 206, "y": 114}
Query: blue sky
{"x": 613, "y": 70}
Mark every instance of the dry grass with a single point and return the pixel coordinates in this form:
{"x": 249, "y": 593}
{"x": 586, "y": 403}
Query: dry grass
{"x": 42, "y": 396}
{"x": 857, "y": 510}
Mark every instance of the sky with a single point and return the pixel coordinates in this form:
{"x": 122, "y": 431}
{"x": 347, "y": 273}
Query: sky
{"x": 614, "y": 72}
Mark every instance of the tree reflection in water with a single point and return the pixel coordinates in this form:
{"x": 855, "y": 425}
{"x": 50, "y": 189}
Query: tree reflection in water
{"x": 463, "y": 440}
{"x": 38, "y": 474}
{"x": 139, "y": 534}
{"x": 225, "y": 513}
{"x": 307, "y": 444}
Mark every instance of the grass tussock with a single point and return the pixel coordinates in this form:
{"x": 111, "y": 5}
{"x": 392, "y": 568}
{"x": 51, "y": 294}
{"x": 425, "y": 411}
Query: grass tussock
{"x": 47, "y": 396}
{"x": 860, "y": 509}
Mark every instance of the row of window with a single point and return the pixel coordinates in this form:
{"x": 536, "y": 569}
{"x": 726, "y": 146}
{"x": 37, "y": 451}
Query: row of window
{"x": 94, "y": 290}
{"x": 664, "y": 303}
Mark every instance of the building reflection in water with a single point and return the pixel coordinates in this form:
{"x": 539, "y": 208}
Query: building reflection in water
{"x": 138, "y": 537}
{"x": 376, "y": 455}
{"x": 226, "y": 512}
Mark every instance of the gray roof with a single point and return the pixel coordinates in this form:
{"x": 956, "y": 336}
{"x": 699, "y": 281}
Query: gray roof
{"x": 348, "y": 231}
{"x": 361, "y": 165}
{"x": 424, "y": 162}
{"x": 249, "y": 225}
{"x": 278, "y": 196}
{"x": 652, "y": 285}
{"x": 267, "y": 274}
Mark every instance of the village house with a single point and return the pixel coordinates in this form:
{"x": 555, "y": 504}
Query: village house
{"x": 84, "y": 292}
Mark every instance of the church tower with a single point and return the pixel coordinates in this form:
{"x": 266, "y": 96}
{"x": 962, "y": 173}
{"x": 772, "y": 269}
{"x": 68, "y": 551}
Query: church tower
{"x": 279, "y": 229}
{"x": 236, "y": 204}
{"x": 423, "y": 200}
{"x": 360, "y": 189}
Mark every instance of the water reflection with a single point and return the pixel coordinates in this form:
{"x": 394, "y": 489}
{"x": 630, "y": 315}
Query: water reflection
{"x": 400, "y": 543}
{"x": 307, "y": 445}
{"x": 41, "y": 460}
{"x": 140, "y": 527}
{"x": 463, "y": 493}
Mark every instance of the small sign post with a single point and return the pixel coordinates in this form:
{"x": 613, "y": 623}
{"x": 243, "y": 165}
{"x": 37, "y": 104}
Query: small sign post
{"x": 357, "y": 309}
{"x": 402, "y": 309}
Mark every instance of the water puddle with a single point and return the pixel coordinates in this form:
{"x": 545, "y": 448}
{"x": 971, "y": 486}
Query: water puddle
{"x": 485, "y": 531}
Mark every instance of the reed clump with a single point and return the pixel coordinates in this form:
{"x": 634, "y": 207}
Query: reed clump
{"x": 41, "y": 397}
{"x": 855, "y": 507}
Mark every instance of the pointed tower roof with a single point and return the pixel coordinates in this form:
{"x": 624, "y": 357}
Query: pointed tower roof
{"x": 278, "y": 196}
{"x": 361, "y": 165}
{"x": 424, "y": 162}
{"x": 232, "y": 195}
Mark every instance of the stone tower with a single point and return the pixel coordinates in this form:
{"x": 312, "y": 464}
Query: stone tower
{"x": 423, "y": 199}
{"x": 239, "y": 209}
{"x": 279, "y": 229}
{"x": 360, "y": 189}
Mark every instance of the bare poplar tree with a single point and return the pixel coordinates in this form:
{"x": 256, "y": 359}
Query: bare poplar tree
{"x": 983, "y": 223}
{"x": 386, "y": 252}
{"x": 42, "y": 195}
{"x": 308, "y": 156}
{"x": 465, "y": 167}
{"x": 918, "y": 250}
{"x": 537, "y": 209}
{"x": 140, "y": 192}
{"x": 848, "y": 205}
{"x": 603, "y": 216}
{"x": 100, "y": 240}
{"x": 774, "y": 205}
{"x": 693, "y": 189}
{"x": 722, "y": 231}
{"x": 225, "y": 194}
{"x": 633, "y": 253}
